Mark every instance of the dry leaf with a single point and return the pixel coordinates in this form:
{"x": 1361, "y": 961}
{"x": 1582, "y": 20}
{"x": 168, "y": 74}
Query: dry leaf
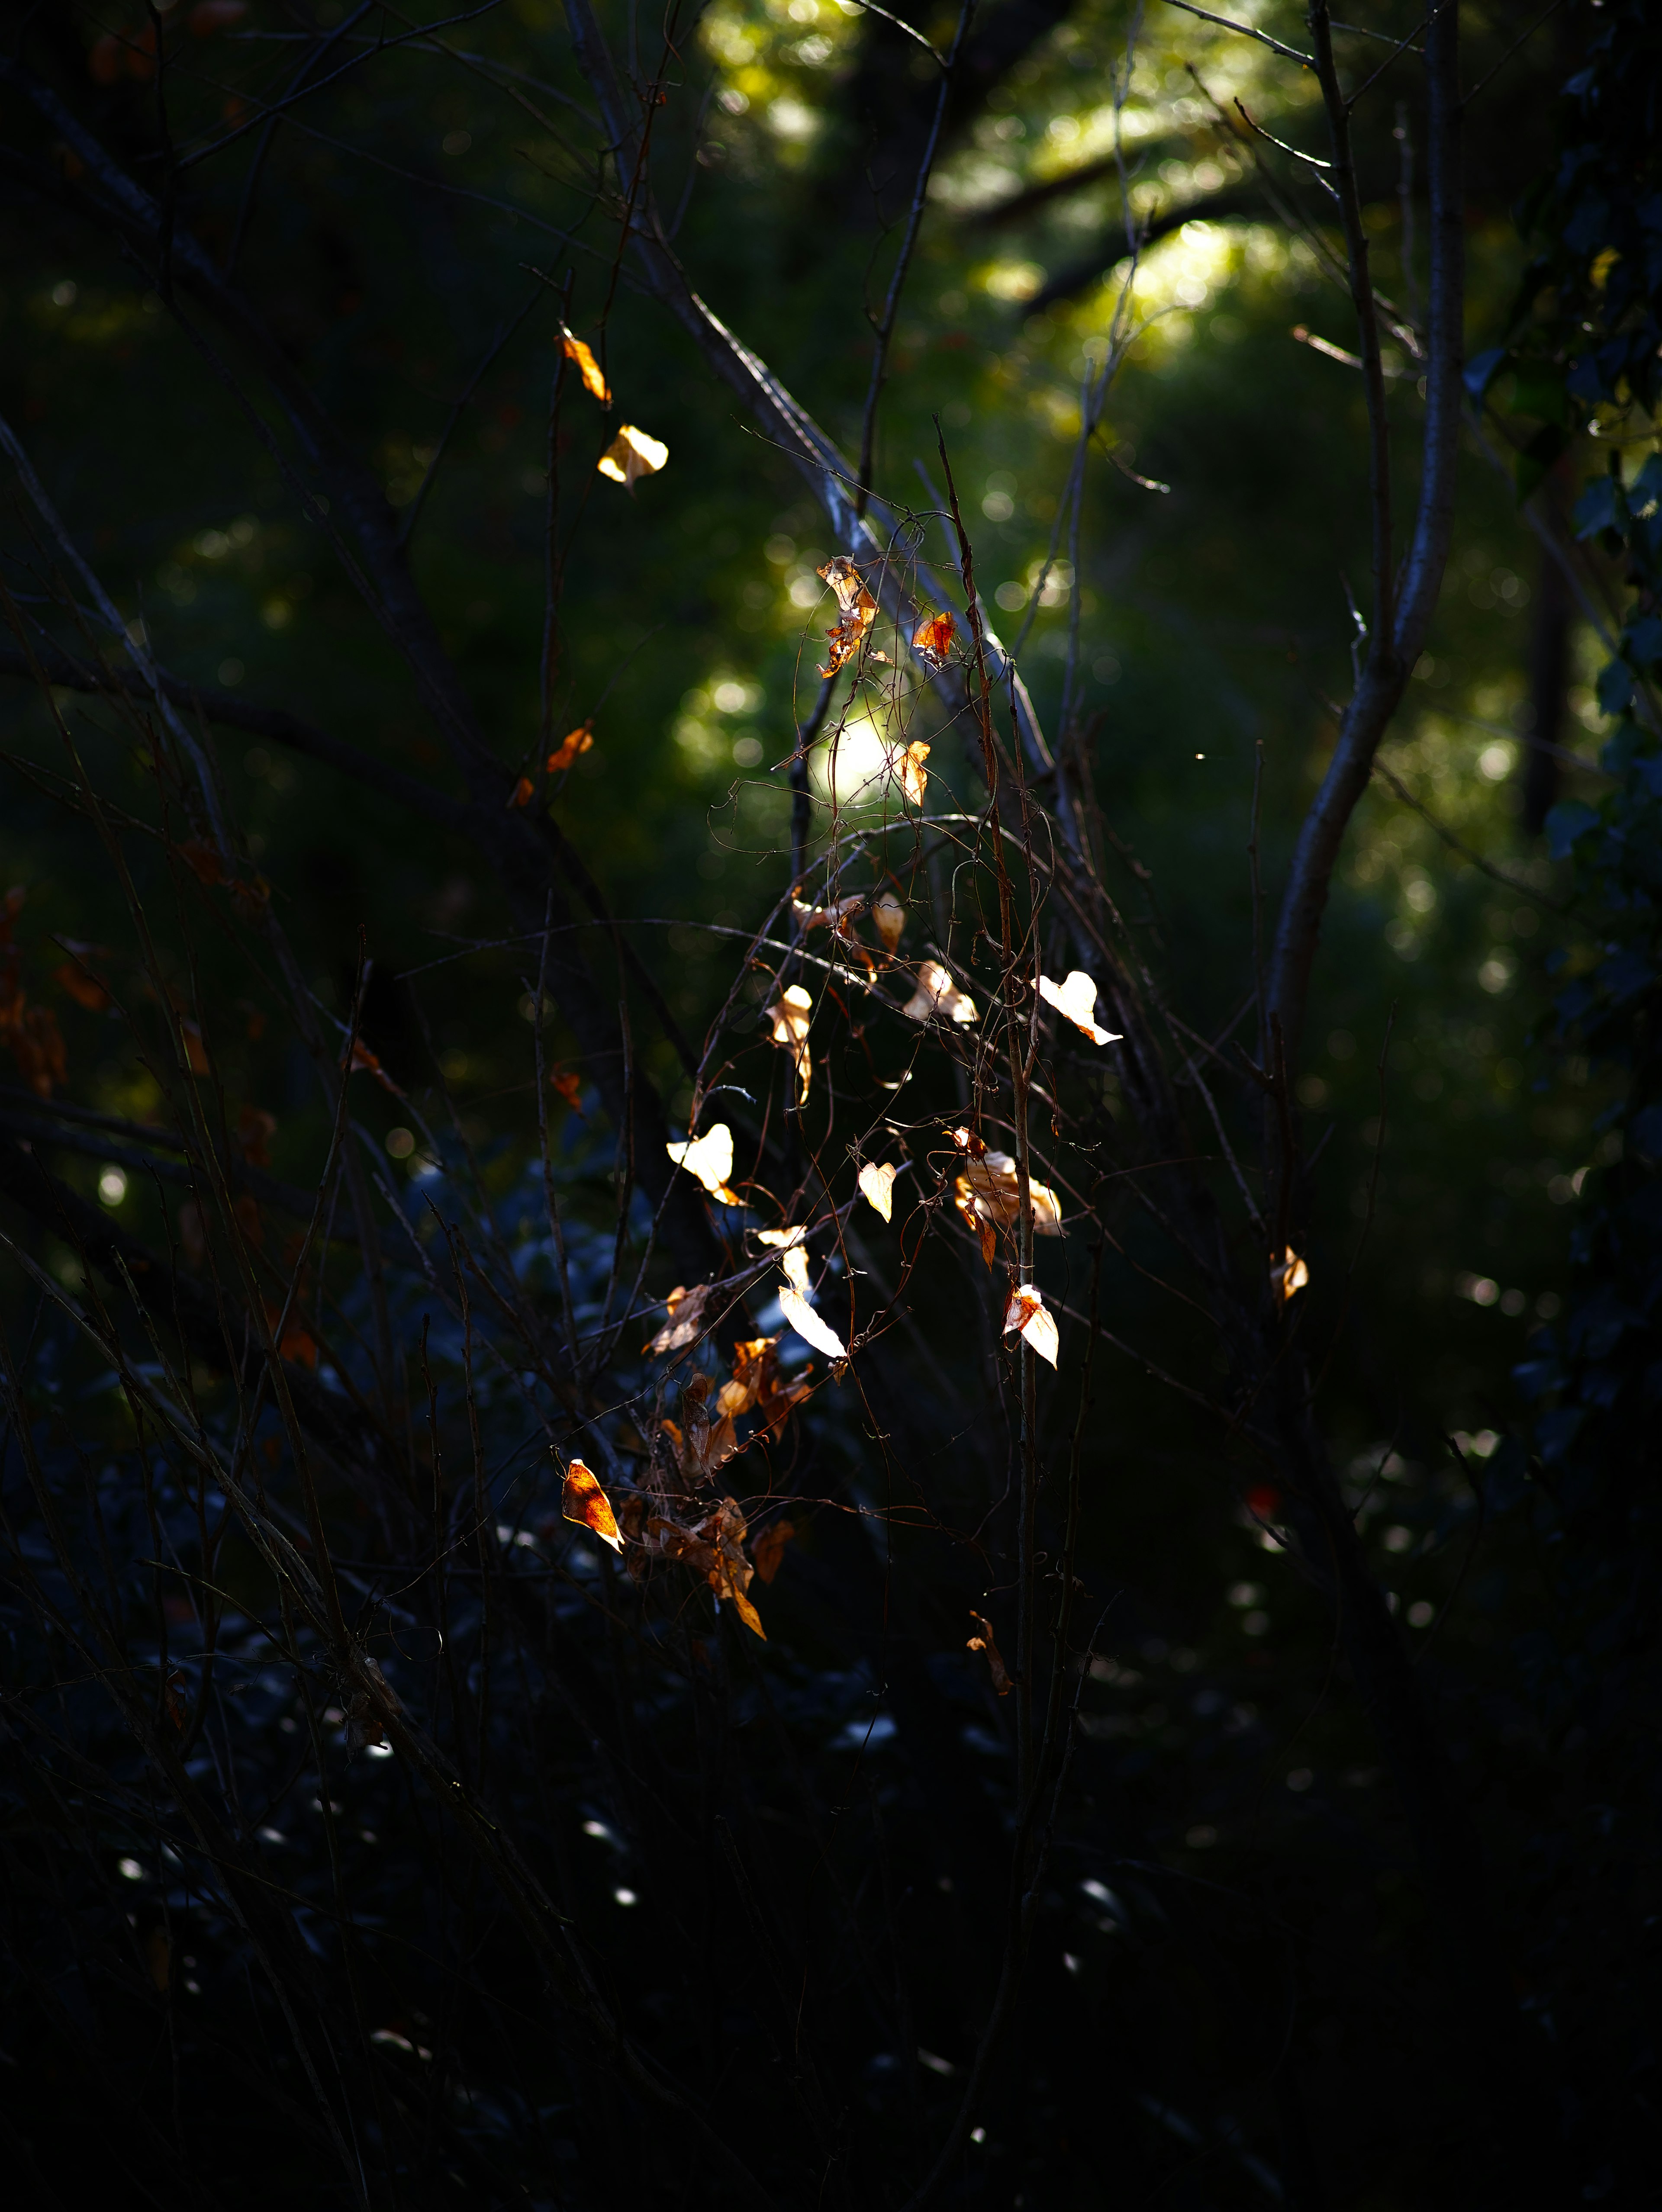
{"x": 856, "y": 610}
{"x": 790, "y": 1014}
{"x": 837, "y": 915}
{"x": 523, "y": 793}
{"x": 702, "y": 1447}
{"x": 587, "y": 367}
{"x": 361, "y": 1057}
{"x": 569, "y": 1085}
{"x": 889, "y": 918}
{"x": 83, "y": 986}
{"x": 932, "y": 640}
{"x": 1029, "y": 1315}
{"x": 768, "y": 1549}
{"x": 574, "y": 743}
{"x": 913, "y": 781}
{"x": 987, "y": 1194}
{"x": 1075, "y": 997}
{"x": 685, "y": 1323}
{"x": 809, "y": 1327}
{"x": 1289, "y": 1274}
{"x": 584, "y": 1502}
{"x": 632, "y": 455}
{"x": 937, "y": 993}
{"x": 982, "y": 1641}
{"x": 755, "y": 1387}
{"x": 794, "y": 1261}
{"x": 710, "y": 1158}
{"x": 876, "y": 1187}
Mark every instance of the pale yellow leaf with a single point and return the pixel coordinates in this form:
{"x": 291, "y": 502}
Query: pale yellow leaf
{"x": 1075, "y": 998}
{"x": 877, "y": 1186}
{"x": 1029, "y": 1315}
{"x": 790, "y": 1015}
{"x": 710, "y": 1158}
{"x": 889, "y": 918}
{"x": 937, "y": 993}
{"x": 914, "y": 782}
{"x": 809, "y": 1327}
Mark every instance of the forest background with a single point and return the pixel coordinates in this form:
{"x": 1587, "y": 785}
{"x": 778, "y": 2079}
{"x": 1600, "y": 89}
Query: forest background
{"x": 764, "y": 1880}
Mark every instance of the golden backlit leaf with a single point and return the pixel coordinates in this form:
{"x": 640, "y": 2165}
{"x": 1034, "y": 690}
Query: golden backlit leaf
{"x": 937, "y": 993}
{"x": 1028, "y": 1314}
{"x": 584, "y": 1501}
{"x": 587, "y": 367}
{"x": 982, "y": 1641}
{"x": 523, "y": 793}
{"x": 789, "y": 1016}
{"x": 632, "y": 454}
{"x": 1289, "y": 1274}
{"x": 768, "y": 1548}
{"x": 913, "y": 780}
{"x": 809, "y": 1327}
{"x": 1075, "y": 998}
{"x": 889, "y": 916}
{"x": 933, "y": 638}
{"x": 575, "y": 742}
{"x": 747, "y": 1613}
{"x": 755, "y": 1387}
{"x": 710, "y": 1158}
{"x": 856, "y": 610}
{"x": 685, "y": 1323}
{"x": 988, "y": 1193}
{"x": 794, "y": 1261}
{"x": 877, "y": 1186}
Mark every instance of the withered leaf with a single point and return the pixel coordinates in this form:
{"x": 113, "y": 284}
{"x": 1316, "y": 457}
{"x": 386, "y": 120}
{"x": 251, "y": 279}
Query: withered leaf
{"x": 1075, "y": 998}
{"x": 768, "y": 1549}
{"x": 789, "y": 1016}
{"x": 710, "y": 1157}
{"x": 586, "y": 367}
{"x": 83, "y": 986}
{"x": 1029, "y": 1317}
{"x": 932, "y": 640}
{"x": 685, "y": 1323}
{"x": 890, "y": 917}
{"x": 584, "y": 1501}
{"x": 982, "y": 1640}
{"x": 631, "y": 455}
{"x": 361, "y": 1058}
{"x": 1289, "y": 1274}
{"x": 877, "y": 1186}
{"x": 937, "y": 993}
{"x": 575, "y": 742}
{"x": 856, "y": 610}
{"x": 913, "y": 780}
{"x": 809, "y": 1327}
{"x": 988, "y": 1192}
{"x": 569, "y": 1086}
{"x": 523, "y": 793}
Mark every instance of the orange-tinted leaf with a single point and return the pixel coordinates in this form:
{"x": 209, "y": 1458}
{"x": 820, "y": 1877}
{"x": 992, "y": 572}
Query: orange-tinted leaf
{"x": 361, "y": 1058}
{"x": 206, "y": 865}
{"x": 988, "y": 1191}
{"x": 573, "y": 743}
{"x": 523, "y": 793}
{"x": 856, "y": 610}
{"x": 747, "y": 1613}
{"x": 1028, "y": 1315}
{"x": 890, "y": 917}
{"x": 913, "y": 780}
{"x": 988, "y": 1237}
{"x": 584, "y": 1502}
{"x": 632, "y": 454}
{"x": 569, "y": 1086}
{"x": 685, "y": 1323}
{"x": 932, "y": 640}
{"x": 1289, "y": 1274}
{"x": 297, "y": 1342}
{"x": 768, "y": 1549}
{"x": 255, "y": 1129}
{"x": 982, "y": 1641}
{"x": 587, "y": 367}
{"x": 83, "y": 986}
